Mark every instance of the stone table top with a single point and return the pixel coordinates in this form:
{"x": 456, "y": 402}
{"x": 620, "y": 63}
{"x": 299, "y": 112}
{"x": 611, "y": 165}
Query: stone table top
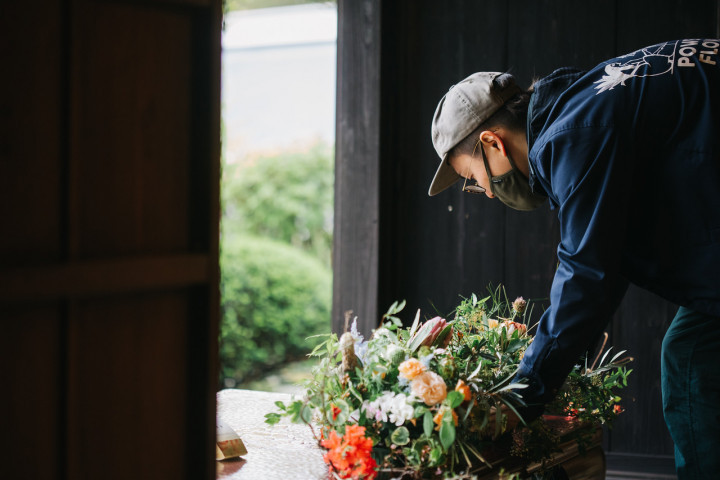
{"x": 285, "y": 451}
{"x": 288, "y": 451}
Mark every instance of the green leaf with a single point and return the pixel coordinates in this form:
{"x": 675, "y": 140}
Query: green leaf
{"x": 447, "y": 432}
{"x": 306, "y": 414}
{"x": 415, "y": 342}
{"x": 419, "y": 411}
{"x": 454, "y": 399}
{"x": 401, "y": 436}
{"x": 415, "y": 325}
{"x": 515, "y": 345}
{"x": 436, "y": 456}
{"x": 442, "y": 335}
{"x": 428, "y": 423}
{"x": 272, "y": 418}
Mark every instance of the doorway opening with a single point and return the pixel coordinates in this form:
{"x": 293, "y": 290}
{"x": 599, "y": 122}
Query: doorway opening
{"x": 278, "y": 113}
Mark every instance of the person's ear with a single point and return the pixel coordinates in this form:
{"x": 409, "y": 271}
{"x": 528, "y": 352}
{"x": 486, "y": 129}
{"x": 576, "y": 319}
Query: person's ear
{"x": 491, "y": 139}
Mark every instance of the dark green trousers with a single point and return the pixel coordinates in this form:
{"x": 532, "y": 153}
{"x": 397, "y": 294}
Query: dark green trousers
{"x": 691, "y": 393}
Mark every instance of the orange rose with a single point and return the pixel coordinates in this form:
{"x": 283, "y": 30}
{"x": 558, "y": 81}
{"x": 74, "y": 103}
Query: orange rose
{"x": 437, "y": 419}
{"x": 430, "y": 387}
{"x": 464, "y": 389}
{"x": 411, "y": 368}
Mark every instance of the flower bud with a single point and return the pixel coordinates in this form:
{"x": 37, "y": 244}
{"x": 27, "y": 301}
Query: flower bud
{"x": 519, "y": 305}
{"x": 434, "y": 332}
{"x": 349, "y": 359}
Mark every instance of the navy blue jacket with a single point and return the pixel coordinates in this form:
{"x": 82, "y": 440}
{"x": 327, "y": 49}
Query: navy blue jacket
{"x": 629, "y": 155}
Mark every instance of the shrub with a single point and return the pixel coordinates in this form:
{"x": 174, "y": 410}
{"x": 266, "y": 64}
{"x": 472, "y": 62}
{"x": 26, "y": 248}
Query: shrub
{"x": 274, "y": 296}
{"x": 287, "y": 197}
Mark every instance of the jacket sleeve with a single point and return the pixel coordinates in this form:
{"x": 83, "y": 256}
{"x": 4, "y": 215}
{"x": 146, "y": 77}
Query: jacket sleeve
{"x": 590, "y": 174}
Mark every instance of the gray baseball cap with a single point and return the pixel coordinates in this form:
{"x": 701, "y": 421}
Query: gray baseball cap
{"x": 463, "y": 108}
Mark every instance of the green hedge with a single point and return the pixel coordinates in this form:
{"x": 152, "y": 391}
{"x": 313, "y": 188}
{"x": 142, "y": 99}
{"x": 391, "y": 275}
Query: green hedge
{"x": 274, "y": 296}
{"x": 287, "y": 196}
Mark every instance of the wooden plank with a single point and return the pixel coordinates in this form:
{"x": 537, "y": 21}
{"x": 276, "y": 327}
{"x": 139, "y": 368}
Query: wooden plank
{"x": 433, "y": 249}
{"x": 647, "y": 22}
{"x": 31, "y": 121}
{"x": 32, "y": 379}
{"x": 631, "y": 466}
{"x": 531, "y": 238}
{"x": 131, "y": 130}
{"x": 102, "y": 277}
{"x": 357, "y": 157}
{"x": 128, "y": 391}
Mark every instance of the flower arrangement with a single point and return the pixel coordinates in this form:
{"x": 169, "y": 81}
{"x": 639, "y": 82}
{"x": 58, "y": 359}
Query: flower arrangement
{"x": 429, "y": 400}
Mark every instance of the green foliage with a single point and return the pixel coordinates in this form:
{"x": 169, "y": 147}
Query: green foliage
{"x": 287, "y": 197}
{"x": 273, "y": 298}
{"x": 275, "y": 254}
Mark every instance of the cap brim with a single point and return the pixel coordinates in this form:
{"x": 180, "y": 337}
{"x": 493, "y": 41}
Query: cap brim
{"x": 445, "y": 176}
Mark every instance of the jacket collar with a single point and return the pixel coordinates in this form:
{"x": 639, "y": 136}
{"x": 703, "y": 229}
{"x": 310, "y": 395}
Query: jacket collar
{"x": 545, "y": 94}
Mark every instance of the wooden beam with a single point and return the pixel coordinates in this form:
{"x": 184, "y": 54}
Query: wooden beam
{"x": 357, "y": 164}
{"x": 100, "y": 277}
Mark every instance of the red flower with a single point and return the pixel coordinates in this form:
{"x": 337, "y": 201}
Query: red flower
{"x": 618, "y": 409}
{"x": 335, "y": 411}
{"x": 350, "y": 455}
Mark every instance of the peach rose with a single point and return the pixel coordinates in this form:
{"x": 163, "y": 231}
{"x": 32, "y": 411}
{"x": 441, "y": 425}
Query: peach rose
{"x": 411, "y": 368}
{"x": 430, "y": 387}
{"x": 492, "y": 323}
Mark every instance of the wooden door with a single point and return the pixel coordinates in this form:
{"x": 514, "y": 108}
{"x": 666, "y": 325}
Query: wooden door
{"x": 109, "y": 177}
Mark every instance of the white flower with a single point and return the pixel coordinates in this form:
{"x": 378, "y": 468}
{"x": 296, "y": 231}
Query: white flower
{"x": 400, "y": 410}
{"x": 361, "y": 345}
{"x": 354, "y": 331}
{"x": 392, "y": 407}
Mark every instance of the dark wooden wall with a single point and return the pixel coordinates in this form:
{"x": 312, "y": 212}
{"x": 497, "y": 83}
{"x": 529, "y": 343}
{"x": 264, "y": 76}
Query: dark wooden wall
{"x": 395, "y": 61}
{"x": 109, "y": 177}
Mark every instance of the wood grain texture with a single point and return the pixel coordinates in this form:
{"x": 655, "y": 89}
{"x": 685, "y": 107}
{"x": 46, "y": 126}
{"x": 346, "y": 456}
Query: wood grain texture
{"x": 109, "y": 275}
{"x": 32, "y": 107}
{"x": 357, "y": 164}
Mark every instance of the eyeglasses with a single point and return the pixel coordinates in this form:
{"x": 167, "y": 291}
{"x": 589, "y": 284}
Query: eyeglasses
{"x": 471, "y": 188}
